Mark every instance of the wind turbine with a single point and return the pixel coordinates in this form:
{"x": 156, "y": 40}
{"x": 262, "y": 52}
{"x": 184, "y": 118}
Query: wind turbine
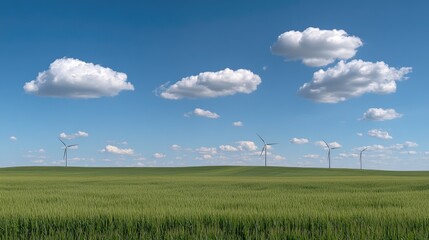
{"x": 360, "y": 157}
{"x": 65, "y": 149}
{"x": 264, "y": 148}
{"x": 329, "y": 152}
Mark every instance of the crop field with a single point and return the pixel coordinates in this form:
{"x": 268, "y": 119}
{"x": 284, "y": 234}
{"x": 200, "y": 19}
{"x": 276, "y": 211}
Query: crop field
{"x": 212, "y": 203}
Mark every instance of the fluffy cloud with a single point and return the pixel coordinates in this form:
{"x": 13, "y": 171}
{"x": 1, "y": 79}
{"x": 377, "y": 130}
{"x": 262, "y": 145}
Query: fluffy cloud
{"x": 79, "y": 134}
{"x": 348, "y": 155}
{"x": 278, "y": 158}
{"x": 212, "y": 84}
{"x": 316, "y": 47}
{"x": 352, "y": 79}
{"x": 378, "y": 133}
{"x": 228, "y": 148}
{"x": 331, "y": 144}
{"x": 359, "y": 134}
{"x": 207, "y": 150}
{"x": 380, "y": 114}
{"x": 247, "y": 146}
{"x": 116, "y": 150}
{"x": 311, "y": 156}
{"x": 237, "y": 124}
{"x": 299, "y": 140}
{"x": 406, "y": 144}
{"x": 409, "y": 152}
{"x": 73, "y": 78}
{"x": 13, "y": 138}
{"x": 202, "y": 113}
{"x": 175, "y": 147}
{"x": 159, "y": 155}
{"x": 395, "y": 147}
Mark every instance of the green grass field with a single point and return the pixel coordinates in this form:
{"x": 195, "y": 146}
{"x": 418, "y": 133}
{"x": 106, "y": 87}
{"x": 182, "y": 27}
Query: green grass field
{"x": 212, "y": 202}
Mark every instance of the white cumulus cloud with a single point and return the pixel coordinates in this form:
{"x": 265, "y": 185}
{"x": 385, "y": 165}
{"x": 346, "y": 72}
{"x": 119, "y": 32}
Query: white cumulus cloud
{"x": 352, "y": 79}
{"x": 380, "y": 114}
{"x": 331, "y": 144}
{"x": 316, "y": 47}
{"x": 13, "y": 138}
{"x": 202, "y": 113}
{"x": 212, "y": 84}
{"x": 207, "y": 150}
{"x": 237, "y": 124}
{"x": 117, "y": 150}
{"x": 159, "y": 155}
{"x": 311, "y": 156}
{"x": 228, "y": 148}
{"x": 175, "y": 147}
{"x": 247, "y": 146}
{"x": 73, "y": 78}
{"x": 78, "y": 134}
{"x": 299, "y": 140}
{"x": 378, "y": 133}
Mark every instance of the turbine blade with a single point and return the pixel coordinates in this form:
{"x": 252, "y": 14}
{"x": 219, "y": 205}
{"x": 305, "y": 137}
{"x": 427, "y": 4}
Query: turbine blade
{"x": 62, "y": 142}
{"x": 72, "y": 145}
{"x": 272, "y": 143}
{"x": 335, "y": 148}
{"x": 262, "y": 151}
{"x": 364, "y": 149}
{"x": 261, "y": 138}
{"x": 326, "y": 144}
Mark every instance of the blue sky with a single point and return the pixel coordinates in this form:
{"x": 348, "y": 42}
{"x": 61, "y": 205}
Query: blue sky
{"x": 161, "y": 83}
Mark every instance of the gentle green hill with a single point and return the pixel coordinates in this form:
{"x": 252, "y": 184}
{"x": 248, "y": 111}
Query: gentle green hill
{"x": 206, "y": 171}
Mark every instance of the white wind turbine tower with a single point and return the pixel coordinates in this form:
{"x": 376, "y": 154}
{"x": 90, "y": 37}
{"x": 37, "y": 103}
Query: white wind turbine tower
{"x": 264, "y": 148}
{"x": 329, "y": 152}
{"x": 65, "y": 149}
{"x": 360, "y": 157}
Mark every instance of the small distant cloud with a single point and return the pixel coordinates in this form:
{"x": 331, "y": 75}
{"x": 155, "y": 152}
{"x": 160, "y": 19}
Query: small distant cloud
{"x": 39, "y": 161}
{"x": 409, "y": 152}
{"x": 207, "y": 156}
{"x": 348, "y": 155}
{"x": 247, "y": 146}
{"x": 79, "y": 134}
{"x": 279, "y": 158}
{"x": 207, "y": 150}
{"x": 299, "y": 140}
{"x": 228, "y": 148}
{"x": 73, "y": 78}
{"x": 175, "y": 147}
{"x": 378, "y": 133}
{"x": 359, "y": 134}
{"x": 159, "y": 155}
{"x": 13, "y": 138}
{"x": 211, "y": 85}
{"x": 265, "y": 68}
{"x": 117, "y": 150}
{"x": 331, "y": 144}
{"x": 311, "y": 156}
{"x": 380, "y": 114}
{"x": 316, "y": 47}
{"x": 237, "y": 124}
{"x": 202, "y": 113}
{"x": 406, "y": 144}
